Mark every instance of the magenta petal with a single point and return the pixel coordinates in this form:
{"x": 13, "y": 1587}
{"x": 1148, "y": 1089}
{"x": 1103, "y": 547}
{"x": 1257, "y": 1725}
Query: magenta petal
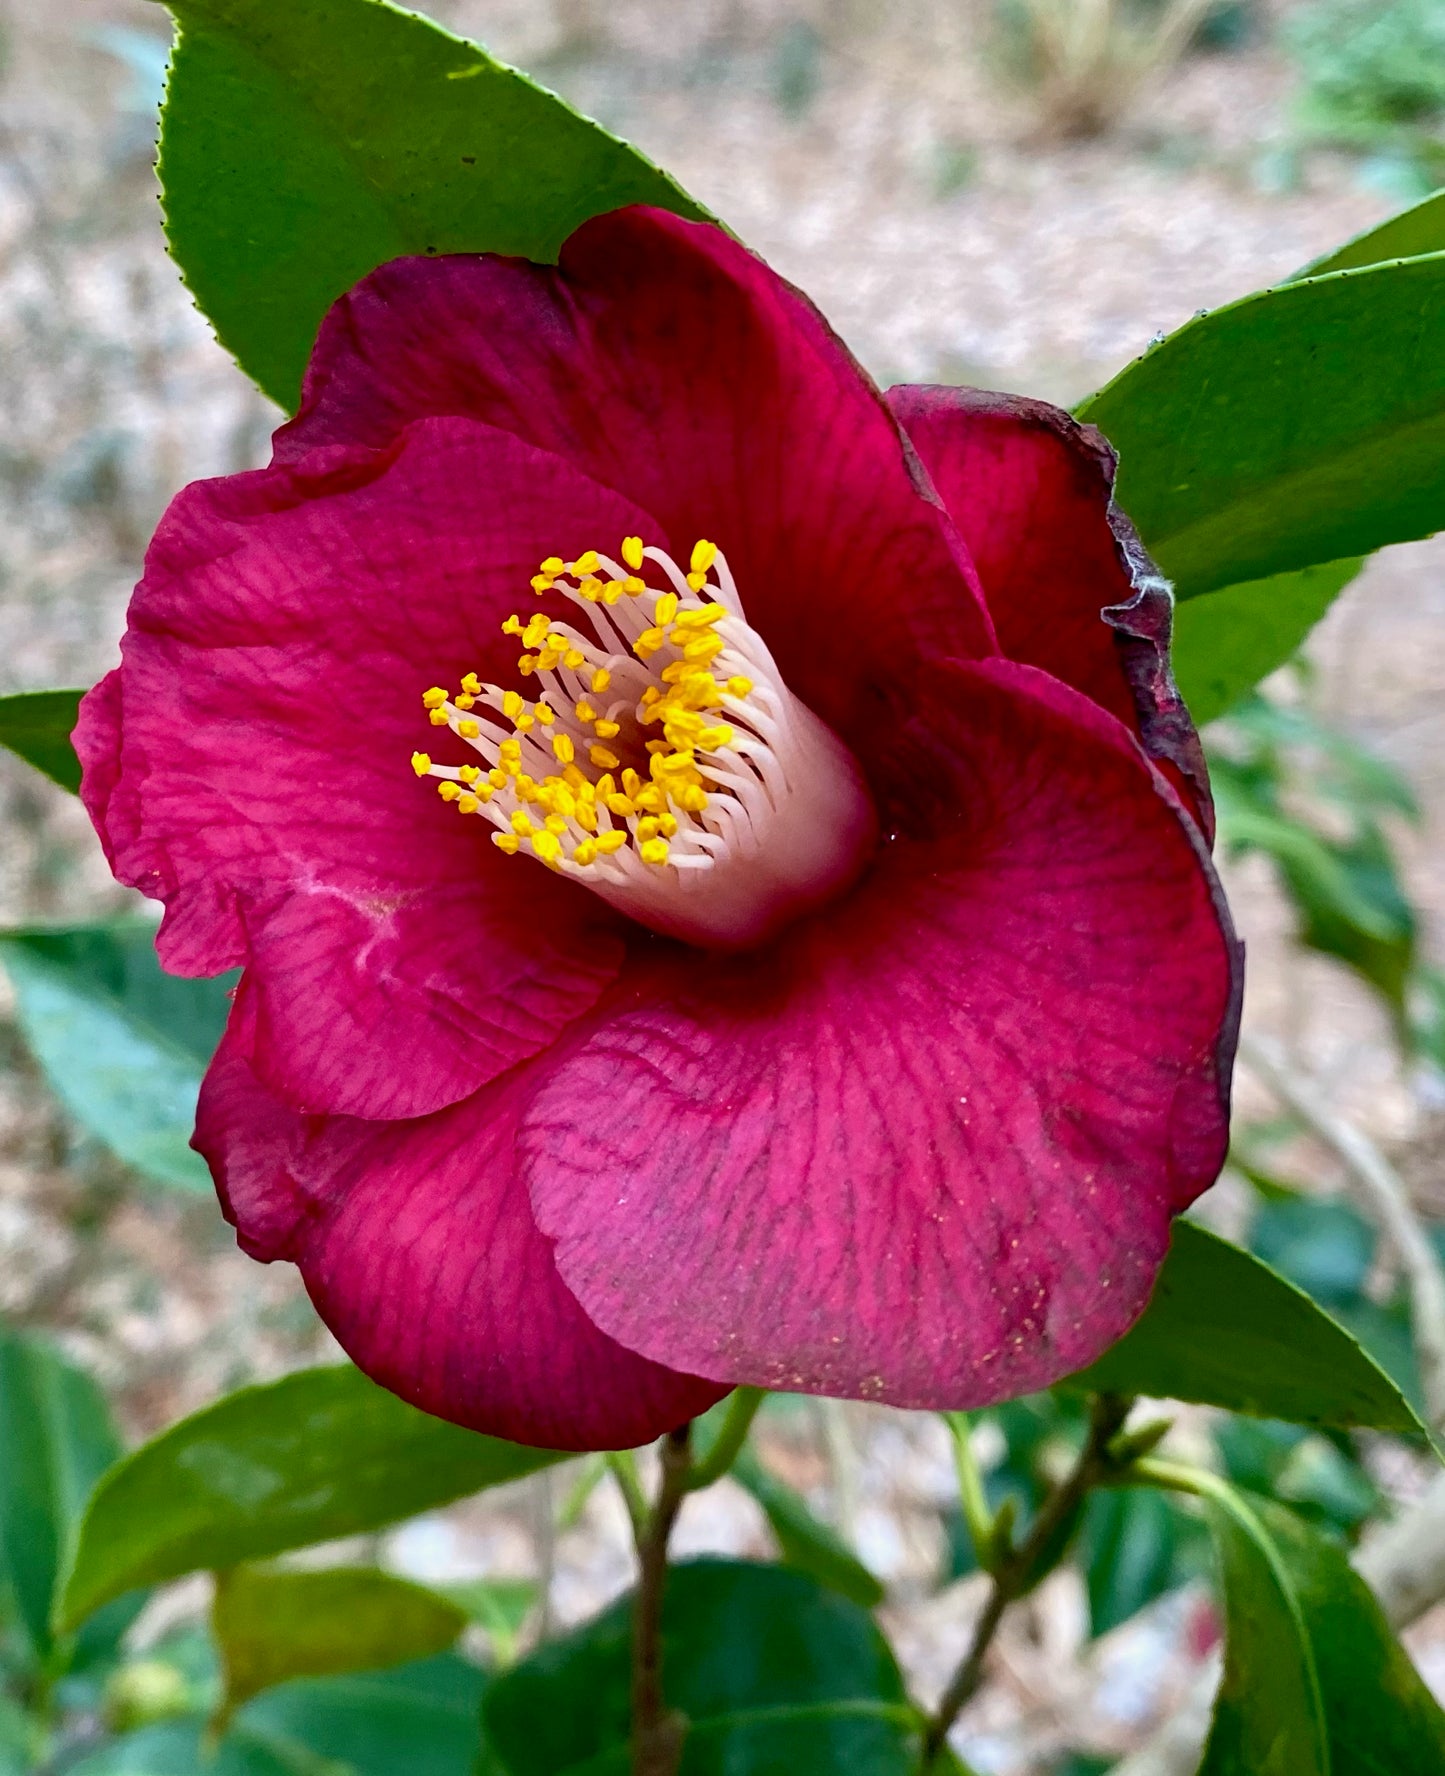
{"x": 926, "y": 1150}
{"x": 1069, "y": 585}
{"x": 667, "y": 361}
{"x": 421, "y": 1254}
{"x": 249, "y": 763}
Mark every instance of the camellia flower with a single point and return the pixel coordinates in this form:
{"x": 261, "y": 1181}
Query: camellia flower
{"x": 718, "y": 860}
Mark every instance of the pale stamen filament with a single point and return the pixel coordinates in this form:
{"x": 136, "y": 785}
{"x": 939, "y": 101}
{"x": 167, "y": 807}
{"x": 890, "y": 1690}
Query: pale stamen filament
{"x": 656, "y": 753}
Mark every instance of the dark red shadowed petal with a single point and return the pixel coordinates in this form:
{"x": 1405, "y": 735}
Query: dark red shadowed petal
{"x": 1069, "y": 584}
{"x": 250, "y": 766}
{"x": 667, "y": 361}
{"x": 420, "y": 1252}
{"x": 926, "y": 1149}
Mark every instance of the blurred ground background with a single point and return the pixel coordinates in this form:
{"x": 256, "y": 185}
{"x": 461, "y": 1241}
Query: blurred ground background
{"x": 970, "y": 195}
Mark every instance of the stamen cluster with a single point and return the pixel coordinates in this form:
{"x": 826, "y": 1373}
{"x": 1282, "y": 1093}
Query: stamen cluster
{"x": 621, "y": 760}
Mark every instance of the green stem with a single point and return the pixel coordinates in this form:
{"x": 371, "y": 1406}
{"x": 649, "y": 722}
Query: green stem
{"x": 977, "y": 1517}
{"x": 657, "y": 1731}
{"x": 743, "y": 1406}
{"x": 1017, "y": 1569}
{"x": 624, "y": 1472}
{"x": 1175, "y": 1477}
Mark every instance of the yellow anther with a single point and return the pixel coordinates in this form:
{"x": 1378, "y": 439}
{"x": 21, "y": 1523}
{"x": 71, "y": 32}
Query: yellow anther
{"x": 703, "y": 555}
{"x": 586, "y": 816}
{"x": 586, "y": 563}
{"x": 632, "y": 552}
{"x": 467, "y": 804}
{"x": 469, "y": 773}
{"x": 665, "y": 609}
{"x": 585, "y": 712}
{"x": 553, "y": 565}
{"x": 702, "y": 618}
{"x": 545, "y": 714}
{"x": 647, "y": 644}
{"x": 472, "y": 685}
{"x": 468, "y": 729}
{"x": 541, "y": 583}
{"x": 739, "y": 687}
{"x": 659, "y": 746}
{"x": 547, "y": 659}
{"x": 555, "y": 823}
{"x": 564, "y": 801}
{"x": 650, "y": 696}
{"x": 654, "y": 851}
{"x": 601, "y": 679}
{"x": 652, "y": 799}
{"x": 521, "y": 825}
{"x": 591, "y": 589}
{"x": 527, "y": 788}
{"x": 648, "y": 829}
{"x": 563, "y": 748}
{"x": 463, "y": 700}
{"x": 620, "y": 805}
{"x": 512, "y": 626}
{"x": 421, "y": 763}
{"x": 710, "y": 739}
{"x": 547, "y": 846}
{"x": 607, "y": 730}
{"x": 667, "y": 825}
{"x": 609, "y": 842}
{"x": 585, "y": 852}
{"x": 632, "y": 586}
{"x": 696, "y": 581}
{"x": 603, "y": 759}
{"x": 671, "y": 764}
{"x": 512, "y": 704}
{"x": 527, "y": 665}
{"x": 448, "y": 790}
{"x": 434, "y": 698}
{"x": 536, "y": 631}
{"x": 631, "y": 782}
{"x": 438, "y": 718}
{"x": 485, "y": 792}
{"x": 605, "y": 786}
{"x": 573, "y": 658}
{"x": 575, "y": 780}
{"x": 497, "y": 777}
{"x": 509, "y": 751}
{"x": 703, "y": 648}
{"x": 508, "y": 842}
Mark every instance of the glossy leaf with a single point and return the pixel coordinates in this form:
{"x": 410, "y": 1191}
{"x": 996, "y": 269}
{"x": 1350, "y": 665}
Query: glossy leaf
{"x": 806, "y": 1544}
{"x": 56, "y": 1439}
{"x": 1420, "y": 229}
{"x": 1134, "y": 1546}
{"x": 38, "y": 725}
{"x": 1227, "y": 641}
{"x": 420, "y": 1720}
{"x": 303, "y": 145}
{"x": 1301, "y": 425}
{"x": 122, "y": 1044}
{"x": 1223, "y": 1329}
{"x": 773, "y": 1671}
{"x": 1315, "y": 1683}
{"x": 319, "y": 1454}
{"x": 272, "y": 1624}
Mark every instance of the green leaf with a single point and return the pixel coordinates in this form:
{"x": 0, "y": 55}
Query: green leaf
{"x": 774, "y": 1672}
{"x": 1227, "y": 641}
{"x": 56, "y": 1439}
{"x": 121, "y": 1043}
{"x": 1223, "y": 1329}
{"x": 272, "y": 1624}
{"x": 807, "y": 1545}
{"x": 303, "y": 145}
{"x": 1269, "y": 1717}
{"x": 38, "y": 725}
{"x": 319, "y": 1454}
{"x": 1420, "y": 229}
{"x": 1132, "y": 1550}
{"x": 420, "y": 1720}
{"x": 1314, "y": 1680}
{"x": 1301, "y": 425}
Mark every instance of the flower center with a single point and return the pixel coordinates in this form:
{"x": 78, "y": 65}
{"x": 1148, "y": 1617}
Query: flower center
{"x": 663, "y": 762}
